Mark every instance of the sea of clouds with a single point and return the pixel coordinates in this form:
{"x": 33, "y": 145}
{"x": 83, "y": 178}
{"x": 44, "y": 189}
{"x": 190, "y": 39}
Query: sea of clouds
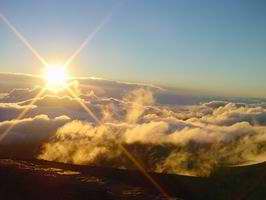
{"x": 165, "y": 131}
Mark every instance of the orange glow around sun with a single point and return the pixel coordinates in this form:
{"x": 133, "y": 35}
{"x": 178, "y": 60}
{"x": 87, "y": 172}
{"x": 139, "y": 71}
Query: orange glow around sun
{"x": 56, "y": 77}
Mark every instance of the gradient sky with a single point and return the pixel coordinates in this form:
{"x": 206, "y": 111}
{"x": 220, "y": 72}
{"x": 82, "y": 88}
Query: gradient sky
{"x": 206, "y": 45}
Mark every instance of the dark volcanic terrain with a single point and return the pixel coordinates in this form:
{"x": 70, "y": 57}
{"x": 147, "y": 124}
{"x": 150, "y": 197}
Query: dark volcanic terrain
{"x": 36, "y": 179}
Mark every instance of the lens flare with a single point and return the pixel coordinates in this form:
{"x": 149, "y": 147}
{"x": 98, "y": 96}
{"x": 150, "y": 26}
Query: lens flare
{"x": 23, "y": 39}
{"x": 56, "y": 78}
{"x": 21, "y": 115}
{"x": 139, "y": 166}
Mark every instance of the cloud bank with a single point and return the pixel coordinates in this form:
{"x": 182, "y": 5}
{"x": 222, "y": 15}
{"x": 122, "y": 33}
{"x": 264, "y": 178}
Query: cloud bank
{"x": 192, "y": 139}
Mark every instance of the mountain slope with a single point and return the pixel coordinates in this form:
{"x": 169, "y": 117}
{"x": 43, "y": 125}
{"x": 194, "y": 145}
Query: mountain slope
{"x": 37, "y": 179}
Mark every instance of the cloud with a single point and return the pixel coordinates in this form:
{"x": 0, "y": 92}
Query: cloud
{"x": 162, "y": 142}
{"x": 191, "y": 151}
{"x": 106, "y": 109}
{"x": 20, "y": 94}
{"x": 29, "y": 128}
{"x": 9, "y": 81}
{"x": 231, "y": 113}
{"x": 172, "y": 137}
{"x": 28, "y": 133}
{"x": 215, "y": 104}
{"x": 23, "y": 83}
{"x": 138, "y": 100}
{"x": 10, "y": 111}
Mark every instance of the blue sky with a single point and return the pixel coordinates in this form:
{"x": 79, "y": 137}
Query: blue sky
{"x": 206, "y": 45}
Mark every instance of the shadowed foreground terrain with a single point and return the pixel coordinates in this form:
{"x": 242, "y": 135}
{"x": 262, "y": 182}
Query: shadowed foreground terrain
{"x": 37, "y": 179}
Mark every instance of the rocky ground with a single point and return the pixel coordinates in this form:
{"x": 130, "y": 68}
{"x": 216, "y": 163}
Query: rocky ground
{"x": 36, "y": 179}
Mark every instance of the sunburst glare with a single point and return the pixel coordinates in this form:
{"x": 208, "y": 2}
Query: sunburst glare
{"x": 56, "y": 77}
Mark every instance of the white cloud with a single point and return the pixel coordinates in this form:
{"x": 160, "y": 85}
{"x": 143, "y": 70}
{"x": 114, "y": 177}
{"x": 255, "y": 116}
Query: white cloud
{"x": 189, "y": 139}
{"x": 31, "y": 129}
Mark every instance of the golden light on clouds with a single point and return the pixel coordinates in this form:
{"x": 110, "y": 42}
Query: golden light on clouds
{"x": 56, "y": 78}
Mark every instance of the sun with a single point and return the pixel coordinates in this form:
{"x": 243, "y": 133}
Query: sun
{"x": 56, "y": 77}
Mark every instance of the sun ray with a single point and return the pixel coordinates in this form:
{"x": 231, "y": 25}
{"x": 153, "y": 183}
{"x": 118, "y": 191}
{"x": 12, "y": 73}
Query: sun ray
{"x": 22, "y": 114}
{"x": 124, "y": 150}
{"x": 143, "y": 171}
{"x": 74, "y": 95}
{"x": 23, "y": 40}
{"x": 90, "y": 37}
{"x": 83, "y": 105}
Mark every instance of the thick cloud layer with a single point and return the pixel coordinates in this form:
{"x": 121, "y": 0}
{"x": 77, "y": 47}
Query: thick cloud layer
{"x": 165, "y": 145}
{"x": 26, "y": 135}
{"x": 186, "y": 139}
{"x": 31, "y": 129}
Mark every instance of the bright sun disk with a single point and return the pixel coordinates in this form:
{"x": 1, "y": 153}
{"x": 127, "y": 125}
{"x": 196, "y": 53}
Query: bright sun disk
{"x": 56, "y": 77}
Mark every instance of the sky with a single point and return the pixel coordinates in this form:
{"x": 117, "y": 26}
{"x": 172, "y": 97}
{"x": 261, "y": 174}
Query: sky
{"x": 205, "y": 45}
